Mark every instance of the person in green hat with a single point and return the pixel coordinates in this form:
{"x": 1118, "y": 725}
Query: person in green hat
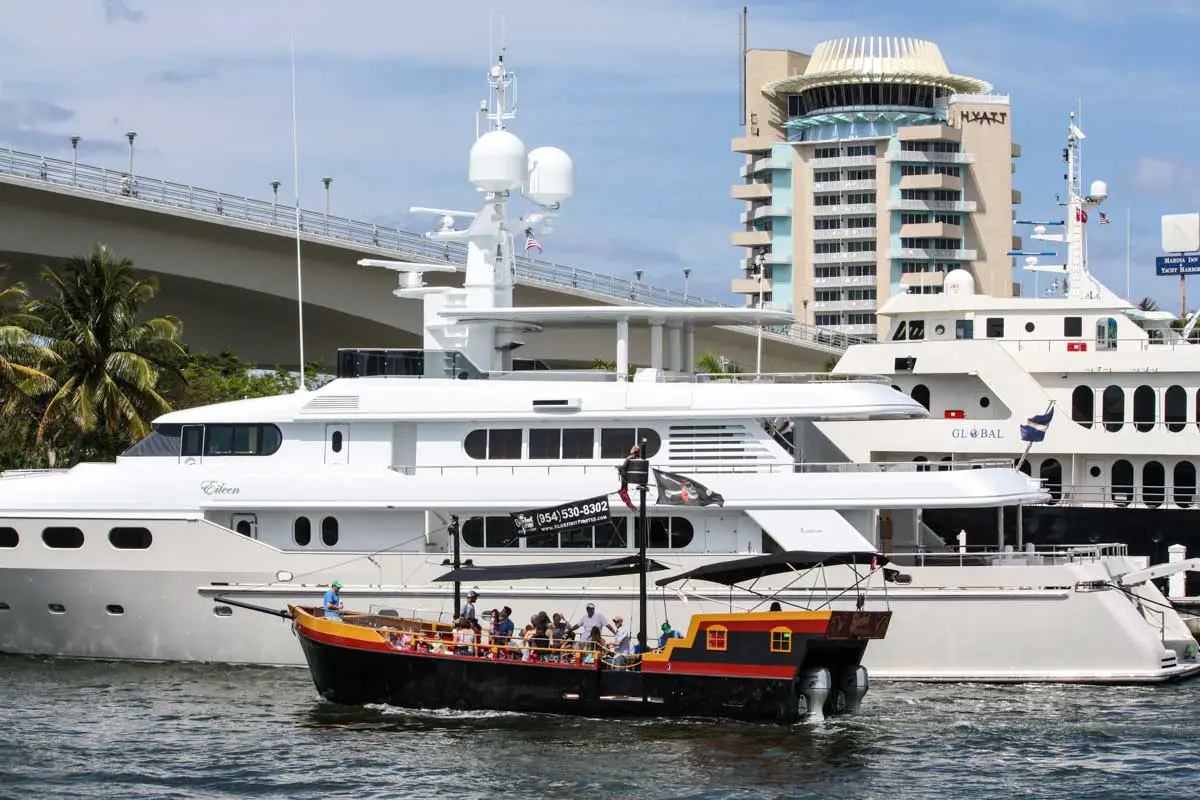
{"x": 667, "y": 633}
{"x": 333, "y": 602}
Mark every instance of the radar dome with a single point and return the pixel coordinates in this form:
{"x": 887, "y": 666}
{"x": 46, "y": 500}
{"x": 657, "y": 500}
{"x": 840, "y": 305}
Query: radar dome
{"x": 551, "y": 176}
{"x": 958, "y": 282}
{"x": 1099, "y": 190}
{"x": 497, "y": 162}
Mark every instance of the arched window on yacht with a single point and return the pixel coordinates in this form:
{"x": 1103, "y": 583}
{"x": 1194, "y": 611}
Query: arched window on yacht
{"x": 670, "y": 532}
{"x": 329, "y": 531}
{"x": 1083, "y": 406}
{"x": 1027, "y": 468}
{"x": 302, "y": 531}
{"x": 922, "y": 465}
{"x": 1184, "y": 483}
{"x": 920, "y": 393}
{"x": 1051, "y": 475}
{"x": 1153, "y": 484}
{"x": 1175, "y": 408}
{"x": 1113, "y": 408}
{"x": 1144, "y": 407}
{"x": 1122, "y": 482}
{"x": 946, "y": 461}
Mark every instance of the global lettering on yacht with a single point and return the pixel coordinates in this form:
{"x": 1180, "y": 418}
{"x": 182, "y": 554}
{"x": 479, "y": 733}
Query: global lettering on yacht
{"x": 213, "y": 488}
{"x": 977, "y": 433}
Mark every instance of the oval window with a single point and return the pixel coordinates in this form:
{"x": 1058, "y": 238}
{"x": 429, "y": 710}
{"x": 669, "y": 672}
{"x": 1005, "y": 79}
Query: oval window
{"x": 9, "y": 537}
{"x": 114, "y": 610}
{"x": 335, "y": 441}
{"x": 329, "y": 531}
{"x": 130, "y": 538}
{"x": 63, "y": 538}
{"x": 302, "y": 531}
{"x": 920, "y": 393}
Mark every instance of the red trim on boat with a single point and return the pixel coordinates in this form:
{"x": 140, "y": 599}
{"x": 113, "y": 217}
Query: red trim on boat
{"x": 722, "y": 670}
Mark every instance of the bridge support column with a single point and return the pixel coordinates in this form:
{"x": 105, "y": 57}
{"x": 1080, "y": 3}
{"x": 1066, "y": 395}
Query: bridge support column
{"x": 656, "y": 345}
{"x": 674, "y": 348}
{"x": 622, "y": 349}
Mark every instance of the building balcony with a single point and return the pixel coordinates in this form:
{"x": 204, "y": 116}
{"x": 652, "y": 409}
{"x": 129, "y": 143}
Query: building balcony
{"x": 784, "y": 259}
{"x": 931, "y": 230}
{"x": 843, "y": 280}
{"x": 929, "y": 133}
{"x": 857, "y": 257}
{"x": 842, "y": 161}
{"x": 751, "y": 239}
{"x": 1016, "y": 150}
{"x": 842, "y": 233}
{"x": 922, "y": 278}
{"x": 748, "y": 286}
{"x": 931, "y": 182}
{"x": 1016, "y": 197}
{"x": 844, "y": 210}
{"x": 853, "y": 330}
{"x": 752, "y": 145}
{"x": 844, "y": 186}
{"x": 757, "y": 166}
{"x": 762, "y": 212}
{"x": 842, "y": 305}
{"x": 932, "y": 205}
{"x": 1017, "y": 244}
{"x": 922, "y": 254}
{"x": 928, "y": 157}
{"x": 751, "y": 191}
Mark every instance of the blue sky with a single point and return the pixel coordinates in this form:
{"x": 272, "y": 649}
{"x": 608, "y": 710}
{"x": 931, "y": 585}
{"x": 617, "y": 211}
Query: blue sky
{"x": 643, "y": 95}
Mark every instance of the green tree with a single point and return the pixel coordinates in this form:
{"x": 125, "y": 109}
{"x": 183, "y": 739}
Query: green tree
{"x": 206, "y": 379}
{"x": 713, "y": 364}
{"x": 107, "y": 363}
{"x": 21, "y": 353}
{"x": 1147, "y": 304}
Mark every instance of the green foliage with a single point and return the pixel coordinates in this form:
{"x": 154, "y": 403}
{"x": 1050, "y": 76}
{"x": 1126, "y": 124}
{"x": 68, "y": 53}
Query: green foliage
{"x": 713, "y": 364}
{"x": 206, "y": 379}
{"x": 831, "y": 363}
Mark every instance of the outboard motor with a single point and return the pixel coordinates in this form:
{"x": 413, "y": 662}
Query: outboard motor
{"x": 854, "y": 684}
{"x": 815, "y": 685}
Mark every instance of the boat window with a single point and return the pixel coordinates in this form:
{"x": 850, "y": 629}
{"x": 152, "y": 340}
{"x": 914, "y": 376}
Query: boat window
{"x": 9, "y": 537}
{"x": 1106, "y": 334}
{"x": 1184, "y": 483}
{"x": 114, "y": 610}
{"x": 57, "y": 608}
{"x": 1153, "y": 484}
{"x": 241, "y": 440}
{"x": 946, "y": 462}
{"x": 669, "y": 532}
{"x": 1122, "y": 482}
{"x": 922, "y": 463}
{"x": 781, "y": 640}
{"x": 1072, "y": 326}
{"x": 329, "y": 531}
{"x": 162, "y": 441}
{"x": 577, "y": 443}
{"x": 717, "y": 637}
{"x": 1083, "y": 406}
{"x": 964, "y": 329}
{"x": 65, "y": 538}
{"x": 302, "y": 531}
{"x": 995, "y": 327}
{"x": 1113, "y": 408}
{"x": 1051, "y": 475}
{"x": 335, "y": 442}
{"x": 616, "y": 442}
{"x": 920, "y": 393}
{"x": 613, "y": 535}
{"x": 498, "y": 444}
{"x": 916, "y": 330}
{"x": 476, "y": 444}
{"x": 901, "y": 332}
{"x": 545, "y": 442}
{"x": 1175, "y": 408}
{"x": 490, "y": 532}
{"x": 193, "y": 440}
{"x": 1144, "y": 408}
{"x": 130, "y": 538}
{"x": 222, "y": 611}
{"x": 1026, "y": 468}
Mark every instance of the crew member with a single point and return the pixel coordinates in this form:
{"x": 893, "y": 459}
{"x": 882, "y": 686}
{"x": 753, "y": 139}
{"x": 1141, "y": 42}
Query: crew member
{"x": 333, "y": 602}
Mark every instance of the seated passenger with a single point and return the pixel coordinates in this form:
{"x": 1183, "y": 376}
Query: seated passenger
{"x": 333, "y": 602}
{"x": 667, "y": 633}
{"x": 593, "y": 646}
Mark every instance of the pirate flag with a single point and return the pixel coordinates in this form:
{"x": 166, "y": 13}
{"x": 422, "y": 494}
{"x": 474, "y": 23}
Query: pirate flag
{"x": 680, "y": 490}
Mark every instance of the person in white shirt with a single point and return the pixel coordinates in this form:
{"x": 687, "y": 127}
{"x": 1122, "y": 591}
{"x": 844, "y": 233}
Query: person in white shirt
{"x": 621, "y": 647}
{"x": 592, "y": 619}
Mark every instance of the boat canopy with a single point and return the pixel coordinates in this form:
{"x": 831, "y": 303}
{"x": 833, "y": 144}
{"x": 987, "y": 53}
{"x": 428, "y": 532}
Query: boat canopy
{"x": 626, "y": 565}
{"x": 741, "y": 570}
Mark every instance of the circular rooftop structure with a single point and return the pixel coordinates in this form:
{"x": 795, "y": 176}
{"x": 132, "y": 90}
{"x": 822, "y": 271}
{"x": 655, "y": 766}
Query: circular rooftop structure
{"x": 877, "y": 60}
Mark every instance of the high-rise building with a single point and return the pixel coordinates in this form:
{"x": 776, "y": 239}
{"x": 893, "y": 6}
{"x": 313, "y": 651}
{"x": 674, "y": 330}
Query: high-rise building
{"x": 870, "y": 170}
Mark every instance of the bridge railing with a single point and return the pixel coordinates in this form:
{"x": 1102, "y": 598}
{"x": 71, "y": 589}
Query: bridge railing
{"x": 282, "y": 216}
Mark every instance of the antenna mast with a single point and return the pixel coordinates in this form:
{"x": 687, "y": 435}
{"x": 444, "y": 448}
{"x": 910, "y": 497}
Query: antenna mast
{"x": 296, "y": 184}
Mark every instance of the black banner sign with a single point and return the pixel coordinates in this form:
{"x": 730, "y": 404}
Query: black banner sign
{"x": 567, "y": 517}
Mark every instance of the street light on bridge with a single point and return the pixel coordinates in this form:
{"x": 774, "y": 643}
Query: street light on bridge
{"x": 327, "y": 180}
{"x": 74, "y": 160}
{"x": 687, "y": 272}
{"x": 275, "y": 202}
{"x": 130, "y": 135}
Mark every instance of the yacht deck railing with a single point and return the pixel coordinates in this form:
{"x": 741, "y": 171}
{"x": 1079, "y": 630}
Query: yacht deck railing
{"x": 696, "y": 466}
{"x": 1030, "y": 554}
{"x": 157, "y": 194}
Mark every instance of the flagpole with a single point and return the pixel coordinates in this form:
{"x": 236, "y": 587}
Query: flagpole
{"x": 1128, "y": 240}
{"x": 1029, "y": 445}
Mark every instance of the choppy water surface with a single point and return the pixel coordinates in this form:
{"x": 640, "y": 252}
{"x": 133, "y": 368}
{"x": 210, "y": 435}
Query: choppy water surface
{"x": 80, "y": 729}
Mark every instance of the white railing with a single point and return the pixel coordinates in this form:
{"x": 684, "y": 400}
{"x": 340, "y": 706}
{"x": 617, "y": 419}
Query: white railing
{"x": 844, "y": 280}
{"x": 842, "y": 233}
{"x": 843, "y": 305}
{"x": 929, "y": 156}
{"x": 842, "y": 161}
{"x": 863, "y": 184}
{"x": 697, "y": 465}
{"x": 1107, "y": 346}
{"x": 932, "y": 205}
{"x": 858, "y": 257}
{"x": 931, "y": 253}
{"x": 971, "y": 555}
{"x": 833, "y": 211}
{"x": 157, "y": 194}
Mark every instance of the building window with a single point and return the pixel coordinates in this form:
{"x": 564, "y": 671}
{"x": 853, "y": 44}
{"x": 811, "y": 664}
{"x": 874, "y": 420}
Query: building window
{"x": 827, "y": 295}
{"x": 827, "y": 320}
{"x": 860, "y": 150}
{"x": 1184, "y": 483}
{"x": 130, "y": 538}
{"x": 861, "y": 246}
{"x": 9, "y": 537}
{"x": 1144, "y": 408}
{"x": 329, "y": 531}
{"x": 499, "y": 444}
{"x": 825, "y": 152}
{"x": 240, "y": 440}
{"x": 781, "y": 640}
{"x": 1051, "y": 475}
{"x": 860, "y": 319}
{"x": 827, "y": 247}
{"x": 1122, "y": 482}
{"x": 717, "y": 638}
{"x": 1083, "y": 406}
{"x": 1153, "y": 484}
{"x": 1175, "y": 408}
{"x": 861, "y": 270}
{"x": 1073, "y": 326}
{"x": 63, "y": 538}
{"x": 302, "y": 531}
{"x": 827, "y": 224}
{"x": 1113, "y": 408}
{"x": 860, "y": 294}
{"x": 825, "y": 176}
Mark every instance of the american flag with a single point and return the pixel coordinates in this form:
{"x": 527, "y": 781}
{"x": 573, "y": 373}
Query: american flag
{"x": 1103, "y": 218}
{"x": 530, "y": 242}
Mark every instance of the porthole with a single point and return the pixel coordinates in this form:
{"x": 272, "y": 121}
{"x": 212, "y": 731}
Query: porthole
{"x": 335, "y": 442}
{"x": 130, "y": 538}
{"x": 9, "y": 537}
{"x": 1029, "y": 327}
{"x": 329, "y": 531}
{"x": 65, "y": 538}
{"x": 984, "y": 402}
{"x": 939, "y": 329}
{"x": 1095, "y": 471}
{"x": 302, "y": 531}
{"x": 57, "y": 608}
{"x": 114, "y": 610}
{"x": 222, "y": 611}
{"x": 243, "y": 527}
{"x": 5, "y": 607}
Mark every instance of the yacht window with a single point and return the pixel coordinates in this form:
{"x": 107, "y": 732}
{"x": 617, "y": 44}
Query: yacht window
{"x": 130, "y": 538}
{"x": 1095, "y": 471}
{"x": 1144, "y": 408}
{"x": 63, "y": 538}
{"x": 114, "y": 610}
{"x": 669, "y": 532}
{"x": 9, "y": 537}
{"x": 241, "y": 440}
{"x": 569, "y": 443}
{"x": 916, "y": 330}
{"x": 1153, "y": 480}
{"x": 1083, "y": 406}
{"x": 716, "y": 637}
{"x": 615, "y": 535}
{"x": 920, "y": 393}
{"x": 335, "y": 442}
{"x": 499, "y": 444}
{"x": 995, "y": 327}
{"x": 545, "y": 442}
{"x": 1175, "y": 408}
{"x": 1051, "y": 475}
{"x": 922, "y": 463}
{"x": 964, "y": 329}
{"x": 476, "y": 444}
{"x": 193, "y": 440}
{"x": 577, "y": 443}
{"x": 1113, "y": 408}
{"x": 243, "y": 527}
{"x": 1029, "y": 327}
{"x": 163, "y": 440}
{"x": 939, "y": 329}
{"x": 901, "y": 332}
{"x": 1073, "y": 326}
{"x": 490, "y": 532}
{"x": 329, "y": 531}
{"x": 616, "y": 442}
{"x": 580, "y": 537}
{"x": 1122, "y": 482}
{"x": 302, "y": 531}
{"x": 1184, "y": 483}
{"x": 1106, "y": 334}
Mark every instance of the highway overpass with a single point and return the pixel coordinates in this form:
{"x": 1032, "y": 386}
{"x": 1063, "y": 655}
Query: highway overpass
{"x": 227, "y": 267}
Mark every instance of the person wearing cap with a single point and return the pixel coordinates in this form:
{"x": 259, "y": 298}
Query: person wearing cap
{"x": 621, "y": 647}
{"x": 333, "y": 602}
{"x": 667, "y": 633}
{"x": 467, "y": 611}
{"x": 591, "y": 619}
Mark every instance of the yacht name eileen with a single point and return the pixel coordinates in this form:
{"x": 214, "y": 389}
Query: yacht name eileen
{"x": 211, "y": 488}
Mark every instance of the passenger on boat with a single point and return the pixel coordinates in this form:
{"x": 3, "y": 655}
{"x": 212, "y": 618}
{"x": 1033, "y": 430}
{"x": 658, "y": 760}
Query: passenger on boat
{"x": 333, "y": 602}
{"x": 621, "y": 649}
{"x": 527, "y": 639}
{"x": 592, "y": 646}
{"x": 505, "y": 627}
{"x": 467, "y": 611}
{"x": 667, "y": 633}
{"x": 464, "y": 638}
{"x": 775, "y": 606}
{"x": 560, "y": 631}
{"x": 590, "y": 620}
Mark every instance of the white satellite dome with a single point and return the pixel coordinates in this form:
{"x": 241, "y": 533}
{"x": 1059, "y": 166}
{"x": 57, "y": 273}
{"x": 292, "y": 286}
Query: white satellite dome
{"x": 958, "y": 282}
{"x": 1099, "y": 190}
{"x": 497, "y": 162}
{"x": 551, "y": 176}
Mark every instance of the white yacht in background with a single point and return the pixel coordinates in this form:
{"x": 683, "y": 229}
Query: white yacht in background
{"x": 267, "y": 501}
{"x": 1120, "y": 457}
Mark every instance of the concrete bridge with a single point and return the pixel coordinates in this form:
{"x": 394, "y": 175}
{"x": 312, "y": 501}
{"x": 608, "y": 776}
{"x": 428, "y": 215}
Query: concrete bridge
{"x": 227, "y": 267}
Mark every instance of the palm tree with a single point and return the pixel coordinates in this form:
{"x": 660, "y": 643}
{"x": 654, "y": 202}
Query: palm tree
{"x": 713, "y": 364}
{"x": 21, "y": 353}
{"x": 1147, "y": 304}
{"x": 109, "y": 363}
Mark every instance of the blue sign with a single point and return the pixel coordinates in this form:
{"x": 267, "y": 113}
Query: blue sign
{"x": 1178, "y": 265}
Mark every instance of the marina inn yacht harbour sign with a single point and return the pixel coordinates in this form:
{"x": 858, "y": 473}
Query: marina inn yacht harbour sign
{"x": 267, "y": 501}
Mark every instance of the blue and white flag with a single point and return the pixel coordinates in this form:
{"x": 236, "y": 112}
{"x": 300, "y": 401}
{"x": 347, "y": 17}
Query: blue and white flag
{"x": 1034, "y": 429}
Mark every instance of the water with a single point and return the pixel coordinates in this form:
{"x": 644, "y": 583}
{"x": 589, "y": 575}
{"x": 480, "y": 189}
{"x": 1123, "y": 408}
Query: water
{"x": 99, "y": 730}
